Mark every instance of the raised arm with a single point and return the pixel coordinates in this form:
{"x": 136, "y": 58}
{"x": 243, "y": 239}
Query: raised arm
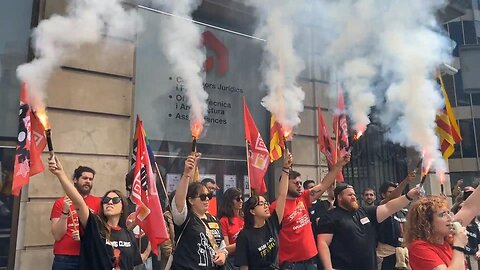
{"x": 470, "y": 209}
{"x": 181, "y": 191}
{"x": 397, "y": 192}
{"x": 83, "y": 211}
{"x": 395, "y": 205}
{"x": 317, "y": 191}
{"x": 283, "y": 186}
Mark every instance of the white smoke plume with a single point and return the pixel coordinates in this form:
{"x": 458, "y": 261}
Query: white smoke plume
{"x": 182, "y": 44}
{"x": 58, "y": 37}
{"x": 281, "y": 64}
{"x": 385, "y": 53}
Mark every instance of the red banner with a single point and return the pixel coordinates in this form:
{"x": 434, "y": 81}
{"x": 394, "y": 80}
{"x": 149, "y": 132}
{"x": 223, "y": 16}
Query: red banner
{"x": 30, "y": 143}
{"x": 145, "y": 196}
{"x": 258, "y": 157}
{"x": 326, "y": 144}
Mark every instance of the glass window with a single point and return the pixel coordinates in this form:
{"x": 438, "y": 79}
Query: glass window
{"x": 468, "y": 141}
{"x": 456, "y": 33}
{"x": 469, "y": 32}
{"x": 450, "y": 89}
{"x": 463, "y": 99}
{"x": 6, "y": 202}
{"x": 476, "y": 99}
{"x": 14, "y": 37}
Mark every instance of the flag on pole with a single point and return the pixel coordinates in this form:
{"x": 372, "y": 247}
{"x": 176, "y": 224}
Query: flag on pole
{"x": 31, "y": 141}
{"x": 277, "y": 141}
{"x": 326, "y": 144}
{"x": 257, "y": 153}
{"x": 340, "y": 127}
{"x": 145, "y": 196}
{"x": 447, "y": 127}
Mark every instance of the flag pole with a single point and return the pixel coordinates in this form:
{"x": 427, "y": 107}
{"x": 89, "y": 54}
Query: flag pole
{"x": 161, "y": 181}
{"x": 336, "y": 132}
{"x": 248, "y": 169}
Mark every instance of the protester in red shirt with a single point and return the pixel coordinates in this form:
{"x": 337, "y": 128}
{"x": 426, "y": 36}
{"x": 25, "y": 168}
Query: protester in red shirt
{"x": 65, "y": 225}
{"x": 297, "y": 243}
{"x": 432, "y": 241}
{"x": 231, "y": 220}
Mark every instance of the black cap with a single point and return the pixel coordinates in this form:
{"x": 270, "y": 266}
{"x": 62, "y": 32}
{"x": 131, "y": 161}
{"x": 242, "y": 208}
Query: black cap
{"x": 338, "y": 189}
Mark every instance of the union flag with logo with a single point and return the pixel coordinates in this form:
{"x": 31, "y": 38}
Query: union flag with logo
{"x": 258, "y": 157}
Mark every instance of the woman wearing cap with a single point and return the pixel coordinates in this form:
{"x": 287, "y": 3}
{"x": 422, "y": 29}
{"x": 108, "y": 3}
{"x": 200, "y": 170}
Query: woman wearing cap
{"x": 200, "y": 243}
{"x": 231, "y": 220}
{"x": 257, "y": 243}
{"x": 434, "y": 241}
{"x": 105, "y": 244}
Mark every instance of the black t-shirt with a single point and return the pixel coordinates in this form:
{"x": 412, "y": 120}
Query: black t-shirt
{"x": 193, "y": 250}
{"x": 258, "y": 247}
{"x": 317, "y": 211}
{"x": 98, "y": 253}
{"x": 473, "y": 233}
{"x": 391, "y": 229}
{"x": 354, "y": 237}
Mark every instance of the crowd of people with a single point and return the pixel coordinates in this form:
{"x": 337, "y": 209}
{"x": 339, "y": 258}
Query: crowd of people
{"x": 300, "y": 229}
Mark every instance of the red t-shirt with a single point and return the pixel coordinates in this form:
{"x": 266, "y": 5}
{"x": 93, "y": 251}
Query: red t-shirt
{"x": 66, "y": 245}
{"x": 231, "y": 230}
{"x": 212, "y": 207}
{"x": 296, "y": 239}
{"x": 426, "y": 256}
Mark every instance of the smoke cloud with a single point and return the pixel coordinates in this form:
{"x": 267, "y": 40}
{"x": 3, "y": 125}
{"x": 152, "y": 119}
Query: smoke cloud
{"x": 58, "y": 37}
{"x": 182, "y": 44}
{"x": 281, "y": 65}
{"x": 385, "y": 53}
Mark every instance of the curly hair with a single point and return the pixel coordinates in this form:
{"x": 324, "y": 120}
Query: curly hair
{"x": 420, "y": 218}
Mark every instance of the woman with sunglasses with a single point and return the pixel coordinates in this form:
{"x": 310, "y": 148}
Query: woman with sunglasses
{"x": 231, "y": 220}
{"x": 257, "y": 243}
{"x": 432, "y": 239}
{"x": 104, "y": 244}
{"x": 200, "y": 243}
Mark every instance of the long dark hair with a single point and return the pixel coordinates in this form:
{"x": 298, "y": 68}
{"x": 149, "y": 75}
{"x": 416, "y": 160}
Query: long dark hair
{"x": 226, "y": 207}
{"x": 247, "y": 206}
{"x": 123, "y": 216}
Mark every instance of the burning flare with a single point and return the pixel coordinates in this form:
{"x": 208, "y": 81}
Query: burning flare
{"x": 43, "y": 117}
{"x": 357, "y": 135}
{"x": 196, "y": 129}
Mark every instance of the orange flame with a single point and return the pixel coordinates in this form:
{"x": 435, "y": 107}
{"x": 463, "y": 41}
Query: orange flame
{"x": 287, "y": 134}
{"x": 357, "y": 135}
{"x": 196, "y": 129}
{"x": 427, "y": 168}
{"x": 43, "y": 117}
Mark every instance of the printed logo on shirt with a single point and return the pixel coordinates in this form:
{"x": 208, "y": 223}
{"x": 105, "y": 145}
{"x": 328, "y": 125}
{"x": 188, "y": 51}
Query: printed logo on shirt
{"x": 204, "y": 251}
{"x": 364, "y": 220}
{"x": 300, "y": 208}
{"x": 401, "y": 220}
{"x": 116, "y": 244}
{"x": 266, "y": 248}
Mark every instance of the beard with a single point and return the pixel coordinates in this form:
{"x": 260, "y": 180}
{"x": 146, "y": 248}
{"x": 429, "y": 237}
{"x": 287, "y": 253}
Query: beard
{"x": 294, "y": 194}
{"x": 350, "y": 205}
{"x": 83, "y": 189}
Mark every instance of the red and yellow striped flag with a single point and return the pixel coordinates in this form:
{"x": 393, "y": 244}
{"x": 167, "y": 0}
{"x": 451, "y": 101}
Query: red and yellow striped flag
{"x": 447, "y": 127}
{"x": 277, "y": 142}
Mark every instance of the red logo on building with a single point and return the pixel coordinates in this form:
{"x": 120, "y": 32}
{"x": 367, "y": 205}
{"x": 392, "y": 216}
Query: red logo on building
{"x": 211, "y": 42}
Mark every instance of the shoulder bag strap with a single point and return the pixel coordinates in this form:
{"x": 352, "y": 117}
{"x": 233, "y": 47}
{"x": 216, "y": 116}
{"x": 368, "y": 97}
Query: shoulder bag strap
{"x": 180, "y": 236}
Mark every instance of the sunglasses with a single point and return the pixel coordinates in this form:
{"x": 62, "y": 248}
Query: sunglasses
{"x": 239, "y": 198}
{"x": 114, "y": 200}
{"x": 263, "y": 204}
{"x": 203, "y": 197}
{"x": 298, "y": 183}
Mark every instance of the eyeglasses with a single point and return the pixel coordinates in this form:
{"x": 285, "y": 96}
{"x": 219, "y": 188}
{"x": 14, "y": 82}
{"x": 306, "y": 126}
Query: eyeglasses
{"x": 114, "y": 200}
{"x": 239, "y": 198}
{"x": 298, "y": 183}
{"x": 263, "y": 204}
{"x": 446, "y": 213}
{"x": 203, "y": 197}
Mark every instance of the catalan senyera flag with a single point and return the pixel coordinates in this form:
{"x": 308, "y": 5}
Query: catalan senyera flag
{"x": 447, "y": 127}
{"x": 277, "y": 141}
{"x": 340, "y": 126}
{"x": 326, "y": 144}
{"x": 257, "y": 153}
{"x": 145, "y": 195}
{"x": 31, "y": 141}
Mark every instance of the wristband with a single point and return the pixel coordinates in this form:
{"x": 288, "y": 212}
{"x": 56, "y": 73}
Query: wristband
{"x": 461, "y": 249}
{"x": 408, "y": 197}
